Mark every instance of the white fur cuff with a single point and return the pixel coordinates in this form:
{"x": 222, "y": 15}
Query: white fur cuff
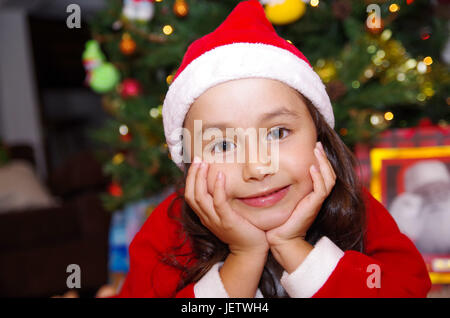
{"x": 315, "y": 270}
{"x": 211, "y": 286}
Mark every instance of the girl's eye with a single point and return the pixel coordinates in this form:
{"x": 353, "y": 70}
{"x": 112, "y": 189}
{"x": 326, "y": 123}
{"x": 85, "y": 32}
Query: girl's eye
{"x": 277, "y": 133}
{"x": 222, "y": 146}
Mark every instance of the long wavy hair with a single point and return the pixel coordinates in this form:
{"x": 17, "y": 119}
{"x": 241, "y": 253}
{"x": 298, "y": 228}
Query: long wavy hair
{"x": 341, "y": 218}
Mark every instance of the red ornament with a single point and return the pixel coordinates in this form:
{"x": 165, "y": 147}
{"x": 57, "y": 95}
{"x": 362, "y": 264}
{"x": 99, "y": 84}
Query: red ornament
{"x": 126, "y": 138}
{"x": 130, "y": 88}
{"x": 376, "y": 30}
{"x": 115, "y": 189}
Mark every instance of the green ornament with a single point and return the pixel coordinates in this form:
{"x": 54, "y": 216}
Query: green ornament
{"x": 104, "y": 78}
{"x": 93, "y": 52}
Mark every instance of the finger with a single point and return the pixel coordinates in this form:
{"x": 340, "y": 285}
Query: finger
{"x": 202, "y": 197}
{"x": 325, "y": 169}
{"x": 189, "y": 189}
{"x": 320, "y": 190}
{"x": 327, "y": 160}
{"x": 219, "y": 198}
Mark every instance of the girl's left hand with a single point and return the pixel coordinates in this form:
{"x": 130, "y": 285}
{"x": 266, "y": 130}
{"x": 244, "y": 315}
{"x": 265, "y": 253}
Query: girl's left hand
{"x": 307, "y": 209}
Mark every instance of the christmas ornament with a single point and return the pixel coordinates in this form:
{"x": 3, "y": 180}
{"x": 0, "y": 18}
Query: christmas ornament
{"x": 326, "y": 70}
{"x": 127, "y": 44}
{"x": 92, "y": 57}
{"x": 138, "y": 10}
{"x": 130, "y": 88}
{"x": 284, "y": 12}
{"x": 124, "y": 132}
{"x": 180, "y": 8}
{"x": 126, "y": 138}
{"x": 115, "y": 189}
{"x": 118, "y": 158}
{"x": 104, "y": 78}
{"x": 375, "y": 28}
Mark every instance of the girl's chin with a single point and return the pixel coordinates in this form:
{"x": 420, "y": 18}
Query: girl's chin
{"x": 270, "y": 221}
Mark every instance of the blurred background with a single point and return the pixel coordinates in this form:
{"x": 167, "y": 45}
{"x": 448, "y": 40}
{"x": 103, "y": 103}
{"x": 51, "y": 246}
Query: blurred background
{"x": 83, "y": 159}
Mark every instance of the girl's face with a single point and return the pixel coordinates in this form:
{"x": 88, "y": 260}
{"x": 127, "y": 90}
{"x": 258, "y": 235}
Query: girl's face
{"x": 257, "y": 103}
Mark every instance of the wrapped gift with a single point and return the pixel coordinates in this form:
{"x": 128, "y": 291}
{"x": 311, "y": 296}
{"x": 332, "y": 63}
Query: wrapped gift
{"x": 125, "y": 224}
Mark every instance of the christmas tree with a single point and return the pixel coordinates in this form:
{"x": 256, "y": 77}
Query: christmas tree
{"x": 384, "y": 63}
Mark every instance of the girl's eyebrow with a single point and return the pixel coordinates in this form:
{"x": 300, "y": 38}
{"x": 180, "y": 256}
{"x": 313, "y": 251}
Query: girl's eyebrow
{"x": 283, "y": 111}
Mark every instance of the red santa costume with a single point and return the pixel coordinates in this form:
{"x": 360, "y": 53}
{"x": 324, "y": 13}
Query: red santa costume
{"x": 246, "y": 45}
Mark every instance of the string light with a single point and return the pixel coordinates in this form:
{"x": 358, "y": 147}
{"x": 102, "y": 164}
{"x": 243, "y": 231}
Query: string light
{"x": 320, "y": 63}
{"x": 167, "y": 29}
{"x": 401, "y": 77}
{"x": 169, "y": 79}
{"x": 421, "y": 97}
{"x": 356, "y": 84}
{"x": 411, "y": 63}
{"x": 314, "y": 3}
{"x": 123, "y": 130}
{"x": 154, "y": 112}
{"x": 421, "y": 67}
{"x": 371, "y": 49}
{"x": 368, "y": 73}
{"x": 428, "y": 60}
{"x": 381, "y": 54}
{"x": 386, "y": 35}
{"x": 375, "y": 120}
{"x": 388, "y": 116}
{"x": 394, "y": 8}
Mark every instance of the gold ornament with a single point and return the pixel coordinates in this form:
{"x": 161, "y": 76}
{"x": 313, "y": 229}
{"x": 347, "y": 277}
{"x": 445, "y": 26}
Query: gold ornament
{"x": 127, "y": 44}
{"x": 326, "y": 70}
{"x": 180, "y": 8}
{"x": 118, "y": 158}
{"x": 286, "y": 12}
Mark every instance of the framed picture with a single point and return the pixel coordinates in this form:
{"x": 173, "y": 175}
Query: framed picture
{"x": 414, "y": 185}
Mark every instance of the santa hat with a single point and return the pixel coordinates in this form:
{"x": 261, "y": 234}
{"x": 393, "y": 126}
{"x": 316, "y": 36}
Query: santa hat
{"x": 245, "y": 45}
{"x": 424, "y": 173}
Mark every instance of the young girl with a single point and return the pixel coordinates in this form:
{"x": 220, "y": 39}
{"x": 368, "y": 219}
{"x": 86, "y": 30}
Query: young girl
{"x": 301, "y": 228}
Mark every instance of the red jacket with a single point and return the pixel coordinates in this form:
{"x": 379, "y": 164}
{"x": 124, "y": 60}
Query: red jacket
{"x": 327, "y": 271}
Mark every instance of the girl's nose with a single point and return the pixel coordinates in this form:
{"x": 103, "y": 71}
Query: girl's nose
{"x": 259, "y": 161}
{"x": 256, "y": 171}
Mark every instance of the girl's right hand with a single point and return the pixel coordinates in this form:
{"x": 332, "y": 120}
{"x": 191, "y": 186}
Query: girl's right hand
{"x": 216, "y": 214}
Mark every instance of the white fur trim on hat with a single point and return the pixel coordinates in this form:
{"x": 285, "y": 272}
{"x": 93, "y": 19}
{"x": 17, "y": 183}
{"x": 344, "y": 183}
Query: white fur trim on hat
{"x": 231, "y": 62}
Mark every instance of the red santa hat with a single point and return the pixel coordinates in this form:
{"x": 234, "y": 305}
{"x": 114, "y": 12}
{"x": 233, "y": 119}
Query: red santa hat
{"x": 245, "y": 45}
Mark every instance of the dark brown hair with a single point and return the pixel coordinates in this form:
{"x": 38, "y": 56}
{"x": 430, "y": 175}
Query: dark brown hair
{"x": 341, "y": 217}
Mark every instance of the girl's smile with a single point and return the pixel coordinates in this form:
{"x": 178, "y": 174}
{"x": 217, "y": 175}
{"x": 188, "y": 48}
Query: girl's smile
{"x": 267, "y": 198}
{"x": 264, "y": 196}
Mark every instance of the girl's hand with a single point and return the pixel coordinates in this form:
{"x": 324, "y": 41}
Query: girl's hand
{"x": 307, "y": 209}
{"x": 216, "y": 214}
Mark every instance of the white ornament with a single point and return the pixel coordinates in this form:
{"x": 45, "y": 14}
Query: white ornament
{"x": 142, "y": 10}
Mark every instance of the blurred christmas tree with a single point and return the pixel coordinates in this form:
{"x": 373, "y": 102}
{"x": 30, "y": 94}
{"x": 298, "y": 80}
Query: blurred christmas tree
{"x": 385, "y": 64}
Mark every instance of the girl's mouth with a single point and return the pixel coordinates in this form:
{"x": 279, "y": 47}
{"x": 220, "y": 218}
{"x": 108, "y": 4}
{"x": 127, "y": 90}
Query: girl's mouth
{"x": 266, "y": 200}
